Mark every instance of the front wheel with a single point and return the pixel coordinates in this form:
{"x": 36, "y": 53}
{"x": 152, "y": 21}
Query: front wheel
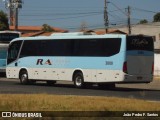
{"x": 23, "y": 76}
{"x": 78, "y": 80}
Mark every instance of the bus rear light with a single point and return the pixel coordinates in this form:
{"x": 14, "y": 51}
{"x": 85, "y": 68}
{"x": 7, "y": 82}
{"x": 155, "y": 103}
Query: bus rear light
{"x": 152, "y": 68}
{"x": 125, "y": 67}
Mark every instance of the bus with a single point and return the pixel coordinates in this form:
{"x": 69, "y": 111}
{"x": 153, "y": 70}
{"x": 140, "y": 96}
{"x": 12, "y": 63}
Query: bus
{"x": 5, "y": 38}
{"x": 82, "y": 58}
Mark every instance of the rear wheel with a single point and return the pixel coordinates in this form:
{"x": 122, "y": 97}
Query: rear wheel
{"x": 23, "y": 76}
{"x": 78, "y": 80}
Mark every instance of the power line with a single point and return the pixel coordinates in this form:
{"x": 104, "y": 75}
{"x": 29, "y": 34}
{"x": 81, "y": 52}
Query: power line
{"x": 41, "y": 13}
{"x": 63, "y": 18}
{"x": 61, "y": 14}
{"x": 119, "y": 9}
{"x": 115, "y": 16}
{"x": 51, "y": 7}
{"x": 143, "y": 10}
{"x": 44, "y": 14}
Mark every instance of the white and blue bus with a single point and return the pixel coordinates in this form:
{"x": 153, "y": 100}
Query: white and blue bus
{"x": 102, "y": 59}
{"x": 5, "y": 38}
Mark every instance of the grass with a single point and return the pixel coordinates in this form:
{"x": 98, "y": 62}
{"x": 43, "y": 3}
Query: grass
{"x": 44, "y": 102}
{"x": 156, "y": 77}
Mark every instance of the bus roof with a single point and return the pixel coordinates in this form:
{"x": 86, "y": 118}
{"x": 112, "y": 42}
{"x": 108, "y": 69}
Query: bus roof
{"x": 71, "y": 36}
{"x": 7, "y": 31}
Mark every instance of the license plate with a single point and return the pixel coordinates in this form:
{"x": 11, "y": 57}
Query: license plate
{"x": 139, "y": 78}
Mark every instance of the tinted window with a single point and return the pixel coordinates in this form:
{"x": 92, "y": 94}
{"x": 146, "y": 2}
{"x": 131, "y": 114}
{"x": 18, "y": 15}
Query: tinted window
{"x": 46, "y": 48}
{"x": 3, "y": 51}
{"x": 58, "y": 48}
{"x": 30, "y": 48}
{"x": 89, "y": 47}
{"x": 3, "y": 54}
{"x": 140, "y": 43}
{"x": 13, "y": 51}
{"x": 98, "y": 47}
{"x": 7, "y": 37}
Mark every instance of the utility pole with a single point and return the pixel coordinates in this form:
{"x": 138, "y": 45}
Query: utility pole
{"x": 16, "y": 18}
{"x": 106, "y": 21}
{"x": 11, "y": 13}
{"x": 16, "y": 5}
{"x": 13, "y": 6}
{"x": 129, "y": 20}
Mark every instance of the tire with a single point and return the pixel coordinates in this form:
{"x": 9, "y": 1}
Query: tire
{"x": 23, "y": 76}
{"x": 106, "y": 85}
{"x": 50, "y": 82}
{"x": 78, "y": 80}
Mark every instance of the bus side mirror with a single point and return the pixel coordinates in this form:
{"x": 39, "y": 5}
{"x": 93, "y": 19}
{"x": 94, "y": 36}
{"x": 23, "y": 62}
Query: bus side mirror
{"x": 16, "y": 64}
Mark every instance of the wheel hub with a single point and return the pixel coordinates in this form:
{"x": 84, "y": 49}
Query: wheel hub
{"x": 23, "y": 77}
{"x": 78, "y": 81}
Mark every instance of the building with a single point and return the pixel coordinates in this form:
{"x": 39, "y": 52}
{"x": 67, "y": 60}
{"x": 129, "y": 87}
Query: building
{"x": 30, "y": 31}
{"x": 103, "y": 31}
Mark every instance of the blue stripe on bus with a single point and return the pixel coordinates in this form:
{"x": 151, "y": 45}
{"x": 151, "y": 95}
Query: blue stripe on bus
{"x": 140, "y": 53}
{"x": 111, "y": 63}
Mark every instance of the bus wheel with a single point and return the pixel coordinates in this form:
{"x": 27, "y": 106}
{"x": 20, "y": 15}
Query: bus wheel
{"x": 50, "y": 82}
{"x": 78, "y": 80}
{"x": 23, "y": 76}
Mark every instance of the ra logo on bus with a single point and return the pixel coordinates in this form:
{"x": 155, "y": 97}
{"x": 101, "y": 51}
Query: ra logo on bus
{"x": 42, "y": 62}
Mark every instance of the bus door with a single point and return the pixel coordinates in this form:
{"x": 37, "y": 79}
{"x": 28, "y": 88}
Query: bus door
{"x": 13, "y": 52}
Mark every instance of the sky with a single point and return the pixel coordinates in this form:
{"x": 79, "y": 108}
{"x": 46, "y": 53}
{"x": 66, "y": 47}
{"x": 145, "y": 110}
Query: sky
{"x": 71, "y": 14}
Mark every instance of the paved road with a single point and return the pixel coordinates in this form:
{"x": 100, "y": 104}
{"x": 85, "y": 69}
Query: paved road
{"x": 140, "y": 91}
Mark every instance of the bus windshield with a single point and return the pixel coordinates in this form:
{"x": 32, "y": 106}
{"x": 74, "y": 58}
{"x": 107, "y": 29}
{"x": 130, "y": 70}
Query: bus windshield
{"x": 13, "y": 51}
{"x": 140, "y": 43}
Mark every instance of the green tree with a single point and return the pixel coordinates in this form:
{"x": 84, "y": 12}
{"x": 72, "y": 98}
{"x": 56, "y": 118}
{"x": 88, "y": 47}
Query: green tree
{"x": 47, "y": 28}
{"x": 143, "y": 21}
{"x": 3, "y": 21}
{"x": 157, "y": 17}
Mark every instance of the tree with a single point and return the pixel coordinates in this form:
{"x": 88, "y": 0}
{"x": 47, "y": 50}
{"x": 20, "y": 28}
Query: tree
{"x": 157, "y": 17}
{"x": 3, "y": 21}
{"x": 143, "y": 21}
{"x": 47, "y": 28}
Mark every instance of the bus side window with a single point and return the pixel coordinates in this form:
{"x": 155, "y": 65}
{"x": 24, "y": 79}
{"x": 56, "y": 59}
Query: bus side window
{"x": 75, "y": 48}
{"x": 43, "y": 50}
{"x": 29, "y": 49}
